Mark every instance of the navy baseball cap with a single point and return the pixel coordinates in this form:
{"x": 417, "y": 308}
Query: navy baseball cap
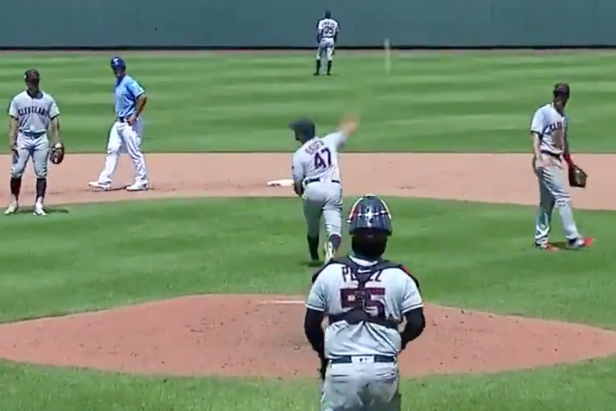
{"x": 117, "y": 62}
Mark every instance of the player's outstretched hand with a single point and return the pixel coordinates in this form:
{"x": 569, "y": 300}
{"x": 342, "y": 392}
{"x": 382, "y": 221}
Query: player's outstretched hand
{"x": 349, "y": 124}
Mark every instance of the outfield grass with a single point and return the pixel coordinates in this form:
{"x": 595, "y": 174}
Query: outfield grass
{"x": 99, "y": 256}
{"x": 475, "y": 102}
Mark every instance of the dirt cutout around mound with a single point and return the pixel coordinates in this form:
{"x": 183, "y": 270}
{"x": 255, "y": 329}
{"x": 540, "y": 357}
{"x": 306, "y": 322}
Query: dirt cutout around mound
{"x": 188, "y": 336}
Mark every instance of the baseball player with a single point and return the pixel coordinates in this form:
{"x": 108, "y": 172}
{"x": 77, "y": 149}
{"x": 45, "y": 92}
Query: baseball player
{"x": 32, "y": 112}
{"x": 365, "y": 299}
{"x": 550, "y": 144}
{"x": 316, "y": 180}
{"x": 126, "y": 132}
{"x": 327, "y": 37}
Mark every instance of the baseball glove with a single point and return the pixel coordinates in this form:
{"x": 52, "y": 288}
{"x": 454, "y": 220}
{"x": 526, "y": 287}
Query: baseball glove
{"x": 57, "y": 154}
{"x": 577, "y": 177}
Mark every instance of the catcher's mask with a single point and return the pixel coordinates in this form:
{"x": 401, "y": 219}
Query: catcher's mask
{"x": 32, "y": 77}
{"x": 304, "y": 129}
{"x": 370, "y": 226}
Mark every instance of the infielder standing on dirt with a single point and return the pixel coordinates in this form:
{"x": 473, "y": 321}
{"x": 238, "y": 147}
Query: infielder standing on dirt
{"x": 126, "y": 132}
{"x": 32, "y": 112}
{"x": 327, "y": 37}
{"x": 365, "y": 299}
{"x": 316, "y": 179}
{"x": 550, "y": 145}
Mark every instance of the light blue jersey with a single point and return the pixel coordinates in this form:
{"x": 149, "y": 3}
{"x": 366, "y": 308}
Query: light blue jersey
{"x": 127, "y": 91}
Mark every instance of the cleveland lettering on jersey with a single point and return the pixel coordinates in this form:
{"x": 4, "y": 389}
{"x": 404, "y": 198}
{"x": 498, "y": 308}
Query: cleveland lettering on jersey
{"x": 547, "y": 122}
{"x": 33, "y": 114}
{"x": 33, "y": 110}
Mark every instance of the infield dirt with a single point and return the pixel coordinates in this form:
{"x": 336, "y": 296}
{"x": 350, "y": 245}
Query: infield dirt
{"x": 179, "y": 337}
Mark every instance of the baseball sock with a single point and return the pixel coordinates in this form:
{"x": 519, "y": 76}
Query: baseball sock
{"x": 335, "y": 240}
{"x": 317, "y": 67}
{"x": 329, "y": 67}
{"x": 41, "y": 188}
{"x": 313, "y": 247}
{"x": 15, "y": 187}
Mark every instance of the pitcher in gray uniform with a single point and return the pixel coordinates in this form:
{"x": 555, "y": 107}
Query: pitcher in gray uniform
{"x": 550, "y": 144}
{"x": 32, "y": 112}
{"x": 365, "y": 299}
{"x": 316, "y": 180}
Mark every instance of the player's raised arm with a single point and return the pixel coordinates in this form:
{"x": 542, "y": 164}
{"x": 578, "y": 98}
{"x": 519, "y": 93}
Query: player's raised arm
{"x": 348, "y": 124}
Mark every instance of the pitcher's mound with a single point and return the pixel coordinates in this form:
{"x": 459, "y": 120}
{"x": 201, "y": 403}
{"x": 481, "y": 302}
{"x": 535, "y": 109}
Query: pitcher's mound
{"x": 239, "y": 335}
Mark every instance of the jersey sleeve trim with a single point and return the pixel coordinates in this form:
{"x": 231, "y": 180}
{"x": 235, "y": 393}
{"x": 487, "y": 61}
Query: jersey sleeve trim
{"x": 411, "y": 308}
{"x": 312, "y": 307}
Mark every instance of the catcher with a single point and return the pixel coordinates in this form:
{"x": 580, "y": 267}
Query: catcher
{"x": 365, "y": 299}
{"x": 550, "y": 145}
{"x": 32, "y": 112}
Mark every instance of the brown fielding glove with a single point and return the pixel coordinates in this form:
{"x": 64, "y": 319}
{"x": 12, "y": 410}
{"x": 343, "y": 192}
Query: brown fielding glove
{"x": 577, "y": 177}
{"x": 57, "y": 154}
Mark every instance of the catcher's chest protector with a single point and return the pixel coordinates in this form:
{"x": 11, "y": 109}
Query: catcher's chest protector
{"x": 363, "y": 275}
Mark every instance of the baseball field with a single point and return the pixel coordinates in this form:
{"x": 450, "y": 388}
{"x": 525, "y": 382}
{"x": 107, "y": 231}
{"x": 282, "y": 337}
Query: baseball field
{"x": 189, "y": 296}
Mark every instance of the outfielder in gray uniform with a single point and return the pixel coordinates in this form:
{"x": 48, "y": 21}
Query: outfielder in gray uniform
{"x": 327, "y": 37}
{"x": 316, "y": 180}
{"x": 32, "y": 112}
{"x": 365, "y": 299}
{"x": 550, "y": 144}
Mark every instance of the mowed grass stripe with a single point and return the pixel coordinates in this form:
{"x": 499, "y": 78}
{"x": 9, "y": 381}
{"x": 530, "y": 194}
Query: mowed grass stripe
{"x": 220, "y": 102}
{"x": 179, "y": 247}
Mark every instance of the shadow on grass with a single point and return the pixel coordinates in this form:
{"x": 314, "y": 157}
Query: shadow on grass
{"x": 48, "y": 210}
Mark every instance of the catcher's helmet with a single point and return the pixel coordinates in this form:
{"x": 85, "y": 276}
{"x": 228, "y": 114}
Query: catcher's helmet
{"x": 370, "y": 213}
{"x": 118, "y": 63}
{"x": 304, "y": 129}
{"x": 32, "y": 76}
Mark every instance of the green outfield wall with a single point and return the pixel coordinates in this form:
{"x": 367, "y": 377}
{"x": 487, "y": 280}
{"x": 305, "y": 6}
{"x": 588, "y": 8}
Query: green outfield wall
{"x": 291, "y": 23}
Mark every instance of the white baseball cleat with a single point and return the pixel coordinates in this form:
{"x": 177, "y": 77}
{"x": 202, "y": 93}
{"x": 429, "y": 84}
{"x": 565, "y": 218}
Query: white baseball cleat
{"x": 329, "y": 252}
{"x": 100, "y": 186}
{"x": 39, "y": 210}
{"x": 137, "y": 187}
{"x": 12, "y": 208}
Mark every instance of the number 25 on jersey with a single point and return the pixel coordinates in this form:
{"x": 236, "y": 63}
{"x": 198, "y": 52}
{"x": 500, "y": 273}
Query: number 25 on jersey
{"x": 323, "y": 158}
